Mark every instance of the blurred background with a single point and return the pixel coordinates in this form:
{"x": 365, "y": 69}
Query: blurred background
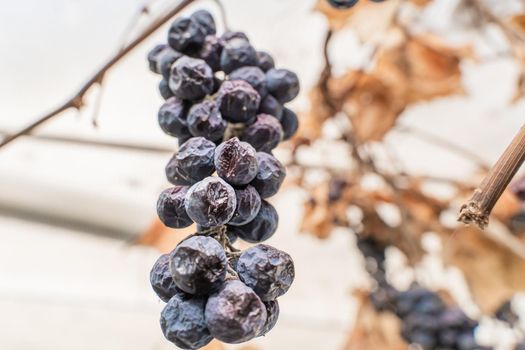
{"x": 77, "y": 202}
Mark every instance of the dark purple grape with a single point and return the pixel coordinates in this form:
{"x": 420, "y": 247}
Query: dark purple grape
{"x": 162, "y": 281}
{"x": 198, "y": 265}
{"x": 235, "y": 162}
{"x": 205, "y": 19}
{"x": 211, "y": 52}
{"x": 237, "y": 53}
{"x": 289, "y": 123}
{"x": 342, "y": 4}
{"x": 204, "y": 119}
{"x": 238, "y": 101}
{"x": 261, "y": 228}
{"x": 235, "y": 314}
{"x": 265, "y": 134}
{"x": 172, "y": 117}
{"x": 282, "y": 84}
{"x": 270, "y": 105}
{"x": 165, "y": 90}
{"x": 248, "y": 206}
{"x": 171, "y": 209}
{"x": 154, "y": 56}
{"x": 211, "y": 202}
{"x": 229, "y": 35}
{"x": 265, "y": 61}
{"x": 253, "y": 76}
{"x": 182, "y": 322}
{"x": 268, "y": 271}
{"x": 193, "y": 162}
{"x": 272, "y": 312}
{"x": 186, "y": 34}
{"x": 191, "y": 78}
{"x": 270, "y": 175}
{"x": 166, "y": 60}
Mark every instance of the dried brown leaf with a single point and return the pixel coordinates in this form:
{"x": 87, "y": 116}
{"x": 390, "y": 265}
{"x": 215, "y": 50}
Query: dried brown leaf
{"x": 162, "y": 237}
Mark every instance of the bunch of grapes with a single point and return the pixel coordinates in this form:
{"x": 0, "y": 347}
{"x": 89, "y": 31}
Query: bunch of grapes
{"x": 426, "y": 319}
{"x": 225, "y": 104}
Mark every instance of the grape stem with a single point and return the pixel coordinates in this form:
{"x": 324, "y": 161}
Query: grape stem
{"x": 77, "y": 101}
{"x": 477, "y": 210}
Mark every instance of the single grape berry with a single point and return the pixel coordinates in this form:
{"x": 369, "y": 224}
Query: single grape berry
{"x": 211, "y": 52}
{"x": 166, "y": 60}
{"x": 265, "y": 134}
{"x": 162, "y": 281}
{"x": 253, "y": 76}
{"x": 204, "y": 119}
{"x": 267, "y": 270}
{"x": 272, "y": 312}
{"x": 211, "y": 202}
{"x": 171, "y": 209}
{"x": 191, "y": 78}
{"x": 270, "y": 105}
{"x": 182, "y": 322}
{"x": 165, "y": 90}
{"x": 172, "y": 117}
{"x": 238, "y": 101}
{"x": 186, "y": 34}
{"x": 198, "y": 265}
{"x": 248, "y": 206}
{"x": 237, "y": 53}
{"x": 235, "y": 162}
{"x": 289, "y": 123}
{"x": 261, "y": 228}
{"x": 205, "y": 19}
{"x": 270, "y": 175}
{"x": 154, "y": 56}
{"x": 235, "y": 314}
{"x": 194, "y": 161}
{"x": 342, "y": 4}
{"x": 229, "y": 35}
{"x": 265, "y": 61}
{"x": 282, "y": 84}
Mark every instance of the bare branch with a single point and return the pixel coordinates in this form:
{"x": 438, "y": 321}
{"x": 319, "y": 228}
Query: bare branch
{"x": 77, "y": 100}
{"x": 479, "y": 207}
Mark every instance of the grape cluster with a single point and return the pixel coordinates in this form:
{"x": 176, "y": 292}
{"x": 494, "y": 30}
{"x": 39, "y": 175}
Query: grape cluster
{"x": 224, "y": 101}
{"x": 426, "y": 319}
{"x": 346, "y": 4}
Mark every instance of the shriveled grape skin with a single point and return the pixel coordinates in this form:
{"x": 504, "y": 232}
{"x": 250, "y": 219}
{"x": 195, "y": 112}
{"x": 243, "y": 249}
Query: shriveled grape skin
{"x": 198, "y": 265}
{"x": 237, "y": 53}
{"x": 182, "y": 322}
{"x": 248, "y": 206}
{"x": 211, "y": 202}
{"x": 265, "y": 61}
{"x": 272, "y": 312}
{"x": 235, "y": 314}
{"x": 261, "y": 228}
{"x": 265, "y": 134}
{"x": 253, "y": 76}
{"x": 211, "y": 52}
{"x": 172, "y": 117}
{"x": 205, "y": 19}
{"x": 171, "y": 207}
{"x": 191, "y": 78}
{"x": 235, "y": 162}
{"x": 161, "y": 280}
{"x": 268, "y": 271}
{"x": 238, "y": 101}
{"x": 186, "y": 33}
{"x": 194, "y": 160}
{"x": 204, "y": 119}
{"x": 282, "y": 84}
{"x": 270, "y": 105}
{"x": 270, "y": 176}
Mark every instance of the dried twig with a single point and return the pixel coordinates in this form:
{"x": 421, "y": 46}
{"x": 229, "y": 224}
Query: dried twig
{"x": 77, "y": 101}
{"x": 479, "y": 207}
